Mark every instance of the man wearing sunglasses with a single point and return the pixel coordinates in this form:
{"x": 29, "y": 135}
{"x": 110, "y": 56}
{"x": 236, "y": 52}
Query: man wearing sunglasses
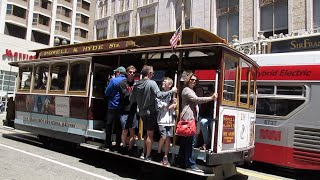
{"x": 128, "y": 118}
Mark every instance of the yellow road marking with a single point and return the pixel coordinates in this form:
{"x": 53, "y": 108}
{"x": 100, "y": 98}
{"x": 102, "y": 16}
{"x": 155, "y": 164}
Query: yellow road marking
{"x": 261, "y": 176}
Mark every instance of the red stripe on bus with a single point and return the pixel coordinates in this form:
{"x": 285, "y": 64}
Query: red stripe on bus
{"x": 284, "y": 156}
{"x": 290, "y": 73}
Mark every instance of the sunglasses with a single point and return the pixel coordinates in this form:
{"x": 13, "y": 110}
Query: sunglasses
{"x": 193, "y": 79}
{"x": 131, "y": 72}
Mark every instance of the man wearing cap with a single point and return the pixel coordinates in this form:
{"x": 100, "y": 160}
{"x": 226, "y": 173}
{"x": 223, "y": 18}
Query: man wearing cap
{"x": 113, "y": 94}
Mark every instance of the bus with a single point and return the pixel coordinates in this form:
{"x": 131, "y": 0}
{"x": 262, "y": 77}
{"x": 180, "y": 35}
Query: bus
{"x": 287, "y": 124}
{"x": 60, "y": 94}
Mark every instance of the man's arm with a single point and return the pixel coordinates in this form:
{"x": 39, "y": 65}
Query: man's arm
{"x": 133, "y": 95}
{"x": 109, "y": 88}
{"x": 159, "y": 94}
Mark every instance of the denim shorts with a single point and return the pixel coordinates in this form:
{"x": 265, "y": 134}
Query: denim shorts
{"x": 128, "y": 120}
{"x": 166, "y": 131}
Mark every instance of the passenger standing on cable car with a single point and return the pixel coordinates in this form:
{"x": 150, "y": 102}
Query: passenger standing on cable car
{"x": 127, "y": 118}
{"x": 190, "y": 110}
{"x": 145, "y": 93}
{"x": 113, "y": 94}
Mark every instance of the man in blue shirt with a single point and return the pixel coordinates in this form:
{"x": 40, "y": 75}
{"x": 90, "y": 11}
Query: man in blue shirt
{"x": 113, "y": 94}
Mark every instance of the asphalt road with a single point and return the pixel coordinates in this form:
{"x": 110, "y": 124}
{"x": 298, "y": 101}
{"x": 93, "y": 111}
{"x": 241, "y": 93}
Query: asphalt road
{"x": 24, "y": 157}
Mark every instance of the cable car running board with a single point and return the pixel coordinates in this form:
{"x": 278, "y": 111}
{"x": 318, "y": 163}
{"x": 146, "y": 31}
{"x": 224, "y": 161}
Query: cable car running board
{"x": 95, "y": 147}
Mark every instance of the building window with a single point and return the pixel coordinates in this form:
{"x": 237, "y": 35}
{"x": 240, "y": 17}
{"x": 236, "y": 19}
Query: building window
{"x": 123, "y": 29}
{"x": 45, "y": 4}
{"x": 35, "y": 19}
{"x": 44, "y": 20}
{"x": 80, "y": 32}
{"x": 316, "y": 14}
{"x": 62, "y": 26}
{"x": 228, "y": 18}
{"x": 147, "y": 24}
{"x": 102, "y": 33}
{"x": 16, "y": 31}
{"x": 64, "y": 11}
{"x": 83, "y": 4}
{"x": 16, "y": 11}
{"x": 38, "y": 18}
{"x": 187, "y": 13}
{"x": 146, "y": 2}
{"x": 83, "y": 33}
{"x": 274, "y": 17}
{"x": 82, "y": 18}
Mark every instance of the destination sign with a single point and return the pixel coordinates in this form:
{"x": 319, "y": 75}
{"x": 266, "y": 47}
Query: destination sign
{"x": 72, "y": 50}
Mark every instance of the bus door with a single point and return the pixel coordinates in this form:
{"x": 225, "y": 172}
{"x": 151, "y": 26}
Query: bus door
{"x": 98, "y": 106}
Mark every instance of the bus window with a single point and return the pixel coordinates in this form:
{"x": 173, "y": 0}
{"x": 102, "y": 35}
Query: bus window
{"x": 263, "y": 89}
{"x": 78, "y": 76}
{"x": 25, "y": 77}
{"x": 244, "y": 83}
{"x": 277, "y": 107}
{"x": 230, "y": 77}
{"x": 58, "y": 76}
{"x": 282, "y": 102}
{"x": 41, "y": 77}
{"x": 293, "y": 90}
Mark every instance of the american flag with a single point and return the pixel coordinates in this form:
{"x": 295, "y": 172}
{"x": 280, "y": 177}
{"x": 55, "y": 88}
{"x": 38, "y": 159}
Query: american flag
{"x": 176, "y": 38}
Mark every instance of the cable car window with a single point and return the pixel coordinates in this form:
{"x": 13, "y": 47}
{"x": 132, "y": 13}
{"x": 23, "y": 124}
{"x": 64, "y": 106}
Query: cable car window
{"x": 78, "y": 76}
{"x": 100, "y": 80}
{"x": 244, "y": 82}
{"x": 252, "y": 85}
{"x": 41, "y": 77}
{"x": 230, "y": 76}
{"x": 58, "y": 76}
{"x": 25, "y": 77}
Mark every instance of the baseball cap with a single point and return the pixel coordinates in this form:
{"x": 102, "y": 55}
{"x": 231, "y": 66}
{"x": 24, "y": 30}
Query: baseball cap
{"x": 120, "y": 69}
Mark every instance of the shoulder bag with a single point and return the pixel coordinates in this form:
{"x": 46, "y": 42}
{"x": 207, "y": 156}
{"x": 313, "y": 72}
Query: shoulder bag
{"x": 186, "y": 127}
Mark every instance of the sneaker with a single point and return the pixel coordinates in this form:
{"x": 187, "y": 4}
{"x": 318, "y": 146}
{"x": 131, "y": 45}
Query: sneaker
{"x": 196, "y": 169}
{"x": 165, "y": 161}
{"x": 147, "y": 158}
{"x": 142, "y": 156}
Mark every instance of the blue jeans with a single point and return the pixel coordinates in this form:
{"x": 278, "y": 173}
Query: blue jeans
{"x": 185, "y": 155}
{"x": 205, "y": 124}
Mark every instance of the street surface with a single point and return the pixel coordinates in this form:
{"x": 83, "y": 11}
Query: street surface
{"x": 24, "y": 157}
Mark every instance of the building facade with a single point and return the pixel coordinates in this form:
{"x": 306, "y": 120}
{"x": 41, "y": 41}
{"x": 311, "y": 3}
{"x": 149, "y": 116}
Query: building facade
{"x": 45, "y": 21}
{"x": 244, "y": 18}
{"x": 34, "y": 24}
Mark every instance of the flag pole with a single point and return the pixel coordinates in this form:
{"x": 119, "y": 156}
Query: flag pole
{"x": 180, "y": 35}
{"x": 182, "y": 26}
